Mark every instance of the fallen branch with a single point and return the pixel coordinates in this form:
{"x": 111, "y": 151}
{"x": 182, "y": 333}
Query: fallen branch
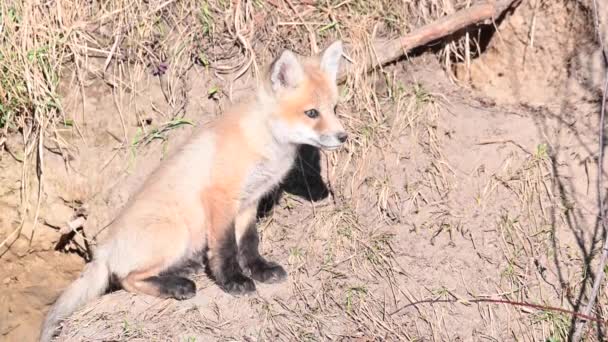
{"x": 503, "y": 301}
{"x": 393, "y": 49}
{"x": 73, "y": 225}
{"x": 599, "y": 275}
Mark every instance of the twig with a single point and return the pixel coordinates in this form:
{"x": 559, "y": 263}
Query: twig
{"x": 393, "y": 49}
{"x": 502, "y": 301}
{"x": 489, "y": 142}
{"x": 11, "y": 238}
{"x": 311, "y": 35}
{"x": 580, "y": 327}
{"x": 40, "y": 174}
{"x": 73, "y": 225}
{"x": 111, "y": 53}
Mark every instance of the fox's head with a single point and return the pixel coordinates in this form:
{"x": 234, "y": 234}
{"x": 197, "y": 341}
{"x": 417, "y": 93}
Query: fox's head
{"x": 305, "y": 95}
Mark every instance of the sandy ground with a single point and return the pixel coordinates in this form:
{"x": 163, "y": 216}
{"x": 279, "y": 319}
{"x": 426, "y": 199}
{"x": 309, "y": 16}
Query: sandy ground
{"x": 483, "y": 187}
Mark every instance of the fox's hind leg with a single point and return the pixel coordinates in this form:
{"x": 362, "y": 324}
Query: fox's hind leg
{"x": 249, "y": 257}
{"x": 172, "y": 286}
{"x": 163, "y": 286}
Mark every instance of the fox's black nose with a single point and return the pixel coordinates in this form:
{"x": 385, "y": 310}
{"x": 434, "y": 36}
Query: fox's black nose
{"x": 342, "y": 136}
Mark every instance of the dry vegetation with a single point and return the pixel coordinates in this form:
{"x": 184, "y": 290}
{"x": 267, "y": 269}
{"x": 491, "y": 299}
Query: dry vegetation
{"x": 443, "y": 198}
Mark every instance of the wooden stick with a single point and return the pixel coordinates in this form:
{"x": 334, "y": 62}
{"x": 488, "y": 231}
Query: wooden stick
{"x": 579, "y": 329}
{"x": 393, "y": 49}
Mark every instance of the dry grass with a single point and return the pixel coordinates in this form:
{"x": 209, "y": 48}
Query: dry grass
{"x": 120, "y": 40}
{"x": 347, "y": 273}
{"x": 47, "y": 45}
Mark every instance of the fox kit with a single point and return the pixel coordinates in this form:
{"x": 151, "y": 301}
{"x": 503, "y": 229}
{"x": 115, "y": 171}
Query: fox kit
{"x": 203, "y": 199}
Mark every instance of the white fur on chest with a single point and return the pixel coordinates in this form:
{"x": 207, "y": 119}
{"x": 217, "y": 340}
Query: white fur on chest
{"x": 267, "y": 174}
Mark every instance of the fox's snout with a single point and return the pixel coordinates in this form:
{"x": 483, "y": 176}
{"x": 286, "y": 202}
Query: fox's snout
{"x": 333, "y": 140}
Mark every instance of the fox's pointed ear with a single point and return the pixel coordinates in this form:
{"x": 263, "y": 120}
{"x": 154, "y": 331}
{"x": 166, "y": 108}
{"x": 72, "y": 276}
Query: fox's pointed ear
{"x": 286, "y": 71}
{"x": 330, "y": 60}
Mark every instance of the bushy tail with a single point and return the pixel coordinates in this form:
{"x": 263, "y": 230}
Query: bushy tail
{"x": 92, "y": 283}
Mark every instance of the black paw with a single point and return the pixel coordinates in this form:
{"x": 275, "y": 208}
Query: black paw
{"x": 176, "y": 287}
{"x": 184, "y": 290}
{"x": 267, "y": 272}
{"x": 238, "y": 284}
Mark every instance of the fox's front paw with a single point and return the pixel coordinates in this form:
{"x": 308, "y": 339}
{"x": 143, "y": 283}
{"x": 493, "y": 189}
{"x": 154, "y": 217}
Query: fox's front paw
{"x": 267, "y": 272}
{"x": 238, "y": 284}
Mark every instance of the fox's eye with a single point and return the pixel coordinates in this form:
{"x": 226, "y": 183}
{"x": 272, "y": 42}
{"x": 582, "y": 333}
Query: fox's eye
{"x": 335, "y": 109}
{"x": 312, "y": 113}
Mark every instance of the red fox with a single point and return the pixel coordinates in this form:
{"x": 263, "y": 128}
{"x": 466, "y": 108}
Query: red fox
{"x": 203, "y": 200}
